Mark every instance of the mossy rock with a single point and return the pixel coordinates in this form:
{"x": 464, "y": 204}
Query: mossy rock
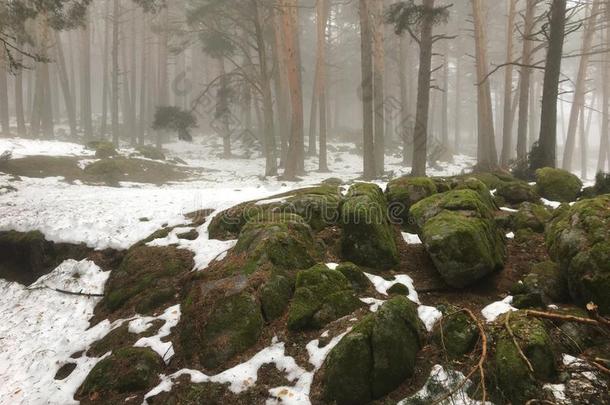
{"x": 528, "y": 300}
{"x": 547, "y": 279}
{"x": 398, "y": 289}
{"x": 26, "y": 256}
{"x": 557, "y": 185}
{"x": 491, "y": 180}
{"x": 275, "y": 296}
{"x": 403, "y": 192}
{"x": 517, "y": 192}
{"x": 188, "y": 235}
{"x": 317, "y": 206}
{"x": 531, "y": 216}
{"x": 113, "y": 170}
{"x": 151, "y": 152}
{"x": 368, "y": 239}
{"x": 321, "y": 296}
{"x": 105, "y": 150}
{"x": 472, "y": 183}
{"x": 464, "y": 200}
{"x": 464, "y": 249}
{"x": 376, "y": 356}
{"x": 147, "y": 279}
{"x": 578, "y": 238}
{"x": 43, "y": 166}
{"x": 456, "y": 334}
{"x": 214, "y": 329}
{"x": 355, "y": 275}
{"x": 284, "y": 240}
{"x": 602, "y": 184}
{"x": 515, "y": 381}
{"x": 126, "y": 370}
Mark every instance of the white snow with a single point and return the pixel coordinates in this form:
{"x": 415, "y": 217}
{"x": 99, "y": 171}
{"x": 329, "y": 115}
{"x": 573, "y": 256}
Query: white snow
{"x": 494, "y": 310}
{"x": 558, "y": 391}
{"x": 21, "y": 147}
{"x": 41, "y": 328}
{"x": 171, "y": 316}
{"x": 552, "y": 204}
{"x": 373, "y": 303}
{"x": 332, "y": 266}
{"x": 510, "y": 235}
{"x": 411, "y": 238}
{"x": 382, "y": 285}
{"x": 507, "y": 209}
{"x": 448, "y": 380}
{"x": 429, "y": 316}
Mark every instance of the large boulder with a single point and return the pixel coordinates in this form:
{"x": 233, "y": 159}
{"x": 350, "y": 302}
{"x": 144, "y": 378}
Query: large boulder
{"x": 457, "y": 334}
{"x": 558, "y": 185}
{"x": 578, "y": 238}
{"x": 403, "y": 192}
{"x": 376, "y": 356}
{"x": 464, "y": 249}
{"x": 514, "y": 378}
{"x": 322, "y": 295}
{"x": 517, "y": 192}
{"x": 318, "y": 206}
{"x": 127, "y": 370}
{"x": 531, "y": 216}
{"x": 147, "y": 280}
{"x": 368, "y": 238}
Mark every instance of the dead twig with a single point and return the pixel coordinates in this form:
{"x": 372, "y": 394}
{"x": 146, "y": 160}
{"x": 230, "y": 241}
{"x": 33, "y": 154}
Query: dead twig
{"x": 80, "y": 294}
{"x": 561, "y": 317}
{"x": 512, "y": 335}
{"x": 480, "y": 366}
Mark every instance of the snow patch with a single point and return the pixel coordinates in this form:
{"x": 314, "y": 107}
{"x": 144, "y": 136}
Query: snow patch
{"x": 494, "y": 310}
{"x": 411, "y": 238}
{"x": 382, "y": 285}
{"x": 429, "y": 316}
{"x": 171, "y": 317}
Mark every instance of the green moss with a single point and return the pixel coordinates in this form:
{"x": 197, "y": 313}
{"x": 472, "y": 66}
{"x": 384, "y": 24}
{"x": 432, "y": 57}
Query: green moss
{"x": 463, "y": 249}
{"x": 355, "y": 275}
{"x": 275, "y": 296}
{"x": 403, "y": 192}
{"x": 472, "y": 183}
{"x": 376, "y": 356}
{"x": 512, "y": 373}
{"x": 531, "y": 216}
{"x": 151, "y": 152}
{"x": 517, "y": 192}
{"x": 189, "y": 235}
{"x": 546, "y": 279}
{"x": 104, "y": 150}
{"x": 146, "y": 279}
{"x": 367, "y": 238}
{"x": 398, "y": 289}
{"x": 557, "y": 185}
{"x": 321, "y": 296}
{"x": 457, "y": 334}
{"x": 126, "y": 370}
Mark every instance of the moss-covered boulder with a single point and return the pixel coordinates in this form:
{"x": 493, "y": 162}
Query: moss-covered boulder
{"x": 284, "y": 240}
{"x": 318, "y": 206}
{"x": 126, "y": 370}
{"x": 147, "y": 280}
{"x": 531, "y": 216}
{"x": 376, "y": 356}
{"x": 456, "y": 334}
{"x": 557, "y": 185}
{"x": 355, "y": 276}
{"x": 578, "y": 238}
{"x": 368, "y": 238}
{"x": 150, "y": 152}
{"x": 103, "y": 149}
{"x": 403, "y": 192}
{"x": 321, "y": 296}
{"x": 517, "y": 192}
{"x": 492, "y": 180}
{"x": 464, "y": 200}
{"x": 546, "y": 279}
{"x": 516, "y": 382}
{"x": 275, "y": 296}
{"x": 472, "y": 183}
{"x": 464, "y": 249}
{"x": 218, "y": 321}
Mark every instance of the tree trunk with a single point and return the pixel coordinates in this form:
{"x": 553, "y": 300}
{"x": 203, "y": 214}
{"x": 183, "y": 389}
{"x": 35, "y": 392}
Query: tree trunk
{"x": 294, "y": 162}
{"x": 85, "y": 58}
{"x": 548, "y": 120}
{"x": 367, "y": 90}
{"x": 322, "y": 21}
{"x": 404, "y": 125}
{"x": 4, "y": 114}
{"x": 105, "y": 85}
{"x": 605, "y": 69}
{"x": 458, "y": 106}
{"x": 19, "y": 111}
{"x": 378, "y": 81}
{"x": 420, "y": 137}
{"x": 580, "y": 87}
{"x": 65, "y": 85}
{"x": 507, "y": 118}
{"x": 280, "y": 85}
{"x": 487, "y": 156}
{"x": 144, "y": 102}
{"x": 115, "y": 73}
{"x": 162, "y": 84}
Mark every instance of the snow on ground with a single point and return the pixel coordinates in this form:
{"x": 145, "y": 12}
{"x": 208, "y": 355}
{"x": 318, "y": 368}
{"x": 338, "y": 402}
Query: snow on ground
{"x": 21, "y": 147}
{"x": 411, "y": 238}
{"x": 494, "y": 310}
{"x": 382, "y": 285}
{"x": 439, "y": 384}
{"x": 41, "y": 328}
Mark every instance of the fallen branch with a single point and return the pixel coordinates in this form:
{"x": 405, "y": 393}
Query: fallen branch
{"x": 598, "y": 366}
{"x": 480, "y": 366}
{"x": 80, "y": 294}
{"x": 512, "y": 335}
{"x": 594, "y": 313}
{"x": 561, "y": 317}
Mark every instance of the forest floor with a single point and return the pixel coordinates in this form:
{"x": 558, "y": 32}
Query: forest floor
{"x": 42, "y": 328}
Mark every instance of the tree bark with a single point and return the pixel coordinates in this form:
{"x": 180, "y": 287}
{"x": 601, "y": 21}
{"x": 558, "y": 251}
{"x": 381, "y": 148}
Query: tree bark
{"x": 143, "y": 81}
{"x": 378, "y": 83}
{"x": 322, "y": 10}
{"x": 548, "y": 120}
{"x": 404, "y": 124}
{"x": 4, "y": 114}
{"x": 19, "y": 110}
{"x": 114, "y": 110}
{"x": 85, "y": 58}
{"x": 487, "y": 156}
{"x": 605, "y": 116}
{"x": 524, "y": 84}
{"x": 367, "y": 90}
{"x": 507, "y": 118}
{"x": 105, "y": 85}
{"x": 65, "y": 86}
{"x": 580, "y": 87}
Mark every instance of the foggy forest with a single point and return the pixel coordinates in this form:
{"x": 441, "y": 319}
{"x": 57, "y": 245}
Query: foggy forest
{"x": 305, "y": 202}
